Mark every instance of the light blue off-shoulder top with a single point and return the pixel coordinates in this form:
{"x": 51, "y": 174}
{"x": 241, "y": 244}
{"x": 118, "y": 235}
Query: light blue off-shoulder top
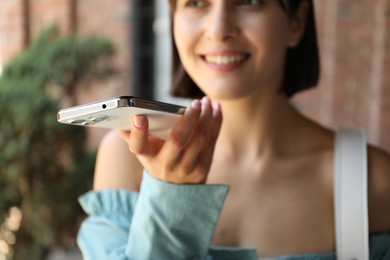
{"x": 167, "y": 222}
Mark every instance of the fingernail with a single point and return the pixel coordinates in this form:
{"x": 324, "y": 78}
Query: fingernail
{"x": 195, "y": 104}
{"x": 206, "y": 100}
{"x": 139, "y": 121}
{"x": 216, "y": 109}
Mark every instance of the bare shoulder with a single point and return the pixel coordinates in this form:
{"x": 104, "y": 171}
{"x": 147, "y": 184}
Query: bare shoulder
{"x": 379, "y": 189}
{"x": 116, "y": 167}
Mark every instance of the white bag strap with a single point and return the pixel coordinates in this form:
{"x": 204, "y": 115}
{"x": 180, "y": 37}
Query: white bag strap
{"x": 350, "y": 200}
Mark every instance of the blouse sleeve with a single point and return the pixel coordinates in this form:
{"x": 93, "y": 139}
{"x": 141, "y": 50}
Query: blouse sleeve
{"x": 380, "y": 247}
{"x": 163, "y": 221}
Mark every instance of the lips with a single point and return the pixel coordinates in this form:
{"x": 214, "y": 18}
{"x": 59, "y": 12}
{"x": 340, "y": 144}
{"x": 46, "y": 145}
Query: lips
{"x": 225, "y": 61}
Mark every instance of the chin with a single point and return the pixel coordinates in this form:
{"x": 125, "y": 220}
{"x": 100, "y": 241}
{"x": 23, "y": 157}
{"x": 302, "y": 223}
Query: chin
{"x": 225, "y": 89}
{"x": 224, "y": 94}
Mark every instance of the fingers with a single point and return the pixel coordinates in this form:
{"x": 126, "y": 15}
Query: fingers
{"x": 200, "y": 137}
{"x": 192, "y": 161}
{"x": 182, "y": 131}
{"x": 138, "y": 138}
{"x": 186, "y": 155}
{"x": 181, "y": 134}
{"x": 206, "y": 157}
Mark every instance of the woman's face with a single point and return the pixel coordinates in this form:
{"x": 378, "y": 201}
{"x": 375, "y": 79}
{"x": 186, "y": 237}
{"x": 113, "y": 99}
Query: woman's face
{"x": 233, "y": 48}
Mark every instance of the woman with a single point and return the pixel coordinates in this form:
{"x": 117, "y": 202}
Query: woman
{"x": 258, "y": 185}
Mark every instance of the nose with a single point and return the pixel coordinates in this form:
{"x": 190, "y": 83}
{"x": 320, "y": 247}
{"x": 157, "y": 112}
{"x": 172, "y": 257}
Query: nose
{"x": 222, "y": 25}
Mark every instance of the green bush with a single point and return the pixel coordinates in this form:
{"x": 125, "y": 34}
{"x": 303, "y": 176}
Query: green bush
{"x": 45, "y": 166}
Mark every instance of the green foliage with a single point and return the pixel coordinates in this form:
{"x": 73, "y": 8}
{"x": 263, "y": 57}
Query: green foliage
{"x": 45, "y": 166}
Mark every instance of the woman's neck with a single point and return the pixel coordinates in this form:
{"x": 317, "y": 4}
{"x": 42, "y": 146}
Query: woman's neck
{"x": 254, "y": 127}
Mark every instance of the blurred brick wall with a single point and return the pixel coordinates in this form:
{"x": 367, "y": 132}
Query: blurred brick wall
{"x": 354, "y": 40}
{"x": 22, "y": 20}
{"x": 12, "y": 33}
{"x": 355, "y": 86}
{"x": 46, "y": 12}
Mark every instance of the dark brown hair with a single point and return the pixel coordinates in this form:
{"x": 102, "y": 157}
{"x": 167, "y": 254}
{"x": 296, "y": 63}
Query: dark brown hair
{"x": 302, "y": 66}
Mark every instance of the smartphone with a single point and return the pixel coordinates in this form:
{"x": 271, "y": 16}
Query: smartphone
{"x": 116, "y": 113}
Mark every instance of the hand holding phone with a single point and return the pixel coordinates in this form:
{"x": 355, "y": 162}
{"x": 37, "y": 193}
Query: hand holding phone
{"x": 185, "y": 156}
{"x": 116, "y": 113}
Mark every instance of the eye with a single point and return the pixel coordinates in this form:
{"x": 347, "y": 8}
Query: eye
{"x": 196, "y": 3}
{"x": 250, "y": 2}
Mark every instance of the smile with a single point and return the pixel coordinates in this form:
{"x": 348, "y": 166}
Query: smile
{"x": 225, "y": 62}
{"x": 225, "y": 59}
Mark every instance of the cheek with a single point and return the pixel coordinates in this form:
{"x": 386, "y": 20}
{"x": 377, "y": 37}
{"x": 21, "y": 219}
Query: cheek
{"x": 177, "y": 35}
{"x": 275, "y": 32}
{"x": 185, "y": 41}
{"x": 182, "y": 34}
{"x": 271, "y": 38}
{"x": 275, "y": 25}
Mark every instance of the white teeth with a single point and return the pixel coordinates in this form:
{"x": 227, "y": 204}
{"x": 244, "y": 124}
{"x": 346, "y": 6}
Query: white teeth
{"x": 224, "y": 60}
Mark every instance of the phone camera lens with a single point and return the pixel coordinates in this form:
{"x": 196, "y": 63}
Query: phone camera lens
{"x": 98, "y": 119}
{"x": 104, "y": 106}
{"x": 78, "y": 122}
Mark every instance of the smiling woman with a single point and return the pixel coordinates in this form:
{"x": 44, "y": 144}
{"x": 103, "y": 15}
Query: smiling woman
{"x": 257, "y": 184}
{"x": 295, "y": 78}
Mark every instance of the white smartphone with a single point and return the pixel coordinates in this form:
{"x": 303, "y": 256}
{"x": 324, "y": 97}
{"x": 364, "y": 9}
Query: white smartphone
{"x": 117, "y": 112}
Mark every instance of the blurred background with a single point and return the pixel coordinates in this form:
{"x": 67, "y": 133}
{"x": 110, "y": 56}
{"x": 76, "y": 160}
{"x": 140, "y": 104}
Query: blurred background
{"x": 58, "y": 53}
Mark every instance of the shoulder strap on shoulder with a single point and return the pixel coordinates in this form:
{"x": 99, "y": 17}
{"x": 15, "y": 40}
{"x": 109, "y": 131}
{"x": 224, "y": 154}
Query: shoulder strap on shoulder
{"x": 351, "y": 206}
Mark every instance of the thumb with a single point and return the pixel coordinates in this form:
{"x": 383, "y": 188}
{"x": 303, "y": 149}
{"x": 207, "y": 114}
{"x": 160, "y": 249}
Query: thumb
{"x": 138, "y": 139}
